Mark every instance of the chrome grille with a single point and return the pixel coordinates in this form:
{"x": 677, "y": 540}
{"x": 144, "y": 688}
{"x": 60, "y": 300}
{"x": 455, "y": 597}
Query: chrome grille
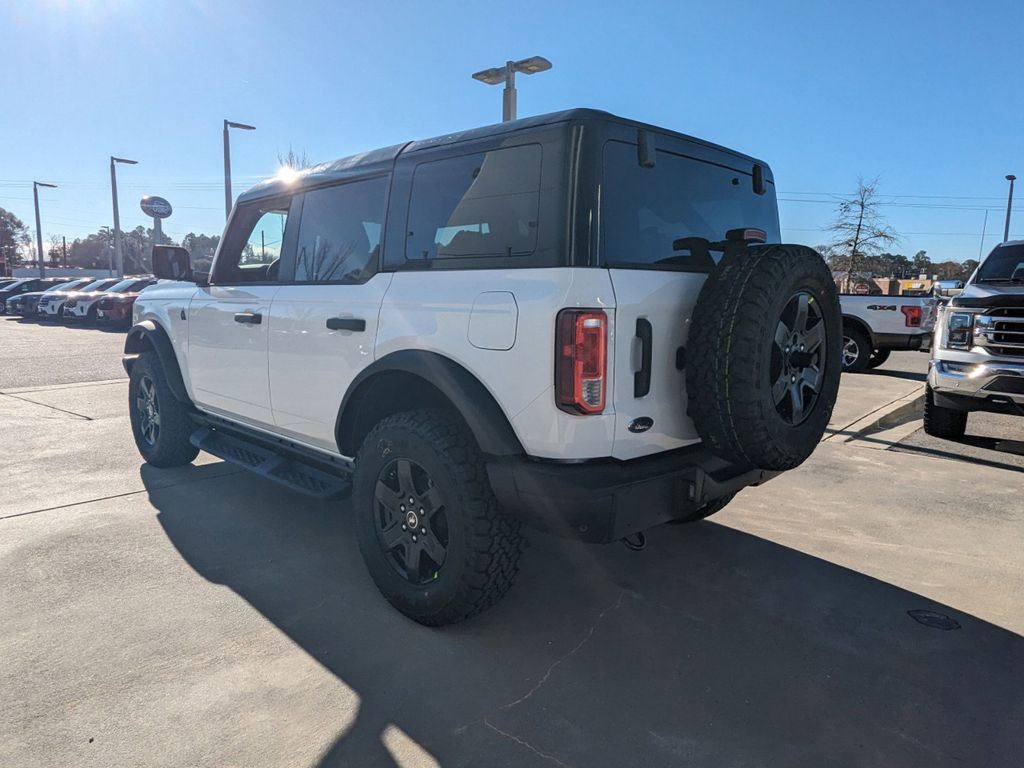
{"x": 1001, "y": 331}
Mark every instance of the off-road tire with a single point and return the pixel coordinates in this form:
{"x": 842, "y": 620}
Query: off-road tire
{"x": 171, "y": 447}
{"x": 878, "y": 357}
{"x": 704, "y": 512}
{"x": 947, "y": 423}
{"x": 730, "y": 351}
{"x": 863, "y": 359}
{"x": 484, "y": 544}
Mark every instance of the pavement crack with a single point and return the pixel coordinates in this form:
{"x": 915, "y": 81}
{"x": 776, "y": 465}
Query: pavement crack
{"x": 45, "y": 405}
{"x": 586, "y": 638}
{"x": 526, "y": 744}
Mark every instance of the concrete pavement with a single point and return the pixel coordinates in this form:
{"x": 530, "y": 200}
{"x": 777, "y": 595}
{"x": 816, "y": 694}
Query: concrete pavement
{"x": 202, "y": 616}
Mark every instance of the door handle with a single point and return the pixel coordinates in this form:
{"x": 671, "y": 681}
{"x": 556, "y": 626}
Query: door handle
{"x": 346, "y": 324}
{"x": 252, "y": 318}
{"x": 642, "y": 378}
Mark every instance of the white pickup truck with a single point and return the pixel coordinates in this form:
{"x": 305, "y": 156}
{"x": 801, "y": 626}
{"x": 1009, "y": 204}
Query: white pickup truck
{"x": 873, "y": 326}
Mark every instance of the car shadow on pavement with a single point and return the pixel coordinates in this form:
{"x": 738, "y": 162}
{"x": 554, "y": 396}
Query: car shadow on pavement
{"x": 712, "y": 647}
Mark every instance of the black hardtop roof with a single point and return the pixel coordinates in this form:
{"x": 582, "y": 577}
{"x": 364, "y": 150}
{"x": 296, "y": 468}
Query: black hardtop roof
{"x": 382, "y": 159}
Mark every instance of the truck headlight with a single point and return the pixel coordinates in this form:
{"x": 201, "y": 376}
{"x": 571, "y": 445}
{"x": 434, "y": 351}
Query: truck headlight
{"x": 959, "y": 330}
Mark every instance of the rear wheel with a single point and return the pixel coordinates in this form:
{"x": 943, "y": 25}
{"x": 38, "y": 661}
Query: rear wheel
{"x": 947, "y": 423}
{"x": 856, "y": 350}
{"x": 762, "y": 368}
{"x": 878, "y": 357}
{"x": 429, "y": 528}
{"x": 160, "y": 423}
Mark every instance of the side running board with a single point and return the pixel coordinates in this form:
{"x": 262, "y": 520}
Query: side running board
{"x": 277, "y": 466}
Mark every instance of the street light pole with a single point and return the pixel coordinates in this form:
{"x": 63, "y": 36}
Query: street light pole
{"x": 39, "y": 232}
{"x": 1009, "y": 205}
{"x": 118, "y": 255}
{"x": 228, "y": 199}
{"x": 507, "y": 75}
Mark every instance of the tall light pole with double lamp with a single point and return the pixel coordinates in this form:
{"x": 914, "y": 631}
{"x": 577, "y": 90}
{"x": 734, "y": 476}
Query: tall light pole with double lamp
{"x": 227, "y": 162}
{"x": 1009, "y": 205}
{"x": 118, "y": 255}
{"x": 39, "y": 232}
{"x": 507, "y": 75}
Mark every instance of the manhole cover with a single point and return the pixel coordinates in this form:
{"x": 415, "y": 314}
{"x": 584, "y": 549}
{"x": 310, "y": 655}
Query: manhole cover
{"x": 933, "y": 619}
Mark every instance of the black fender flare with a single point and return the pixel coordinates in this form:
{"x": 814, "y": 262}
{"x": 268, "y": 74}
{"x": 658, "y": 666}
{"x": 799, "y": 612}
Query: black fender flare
{"x": 149, "y": 334}
{"x": 479, "y": 409}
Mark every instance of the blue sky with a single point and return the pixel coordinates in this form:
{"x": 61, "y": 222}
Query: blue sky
{"x": 924, "y": 95}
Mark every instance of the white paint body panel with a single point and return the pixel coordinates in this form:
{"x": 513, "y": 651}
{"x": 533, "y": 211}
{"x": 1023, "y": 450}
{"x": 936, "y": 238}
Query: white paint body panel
{"x": 228, "y": 359}
{"x": 666, "y": 300}
{"x": 164, "y": 304}
{"x": 887, "y": 317}
{"x": 493, "y": 320}
{"x": 310, "y": 366}
{"x": 431, "y": 311}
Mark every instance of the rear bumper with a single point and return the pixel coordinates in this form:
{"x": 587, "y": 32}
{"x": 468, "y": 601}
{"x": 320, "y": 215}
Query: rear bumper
{"x": 903, "y": 341}
{"x": 604, "y": 500}
{"x": 992, "y": 386}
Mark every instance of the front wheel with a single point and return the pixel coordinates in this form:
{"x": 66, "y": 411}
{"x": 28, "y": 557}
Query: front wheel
{"x": 878, "y": 357}
{"x": 160, "y": 423}
{"x": 429, "y": 528}
{"x": 947, "y": 423}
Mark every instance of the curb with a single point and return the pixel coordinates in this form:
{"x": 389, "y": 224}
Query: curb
{"x": 888, "y": 424}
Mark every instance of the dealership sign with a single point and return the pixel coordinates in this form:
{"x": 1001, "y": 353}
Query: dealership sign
{"x": 155, "y": 206}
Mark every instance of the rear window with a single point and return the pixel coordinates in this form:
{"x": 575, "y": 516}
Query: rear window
{"x": 1004, "y": 264}
{"x": 479, "y": 205}
{"x": 645, "y": 210}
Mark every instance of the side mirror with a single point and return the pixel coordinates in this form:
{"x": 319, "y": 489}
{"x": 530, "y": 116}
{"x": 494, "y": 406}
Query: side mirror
{"x": 171, "y": 262}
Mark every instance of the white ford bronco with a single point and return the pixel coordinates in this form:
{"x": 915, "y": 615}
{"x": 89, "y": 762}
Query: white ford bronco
{"x": 574, "y": 321}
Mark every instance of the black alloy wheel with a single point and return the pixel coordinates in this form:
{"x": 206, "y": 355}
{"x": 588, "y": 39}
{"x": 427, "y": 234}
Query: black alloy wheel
{"x": 148, "y": 406}
{"x": 798, "y": 356}
{"x": 412, "y": 526}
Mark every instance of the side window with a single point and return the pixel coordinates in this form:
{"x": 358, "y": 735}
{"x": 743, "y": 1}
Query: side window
{"x": 478, "y": 205}
{"x": 251, "y": 252}
{"x": 339, "y": 234}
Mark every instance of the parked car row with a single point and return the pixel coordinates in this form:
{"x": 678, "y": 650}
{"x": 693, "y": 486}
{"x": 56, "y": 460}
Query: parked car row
{"x": 87, "y": 299}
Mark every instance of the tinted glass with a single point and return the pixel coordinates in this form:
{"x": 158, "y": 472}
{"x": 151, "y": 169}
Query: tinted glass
{"x": 475, "y": 205}
{"x": 251, "y": 251}
{"x": 644, "y": 210}
{"x": 65, "y": 286}
{"x": 97, "y": 285}
{"x": 1005, "y": 263}
{"x": 339, "y": 233}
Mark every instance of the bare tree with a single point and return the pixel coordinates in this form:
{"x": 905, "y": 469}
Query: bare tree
{"x": 294, "y": 160}
{"x": 860, "y": 230}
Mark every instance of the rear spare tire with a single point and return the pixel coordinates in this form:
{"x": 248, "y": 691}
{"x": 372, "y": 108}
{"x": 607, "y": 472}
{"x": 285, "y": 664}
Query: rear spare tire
{"x": 762, "y": 363}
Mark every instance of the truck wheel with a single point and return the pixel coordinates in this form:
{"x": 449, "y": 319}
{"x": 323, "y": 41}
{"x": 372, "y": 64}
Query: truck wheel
{"x": 429, "y": 528}
{"x": 947, "y": 423}
{"x": 160, "y": 423}
{"x": 762, "y": 364}
{"x": 878, "y": 357}
{"x": 706, "y": 511}
{"x": 856, "y": 350}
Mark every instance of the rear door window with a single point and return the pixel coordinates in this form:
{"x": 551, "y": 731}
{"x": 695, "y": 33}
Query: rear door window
{"x": 644, "y": 211}
{"x": 475, "y": 206}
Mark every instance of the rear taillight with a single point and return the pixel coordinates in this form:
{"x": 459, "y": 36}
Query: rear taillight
{"x": 581, "y": 357}
{"x": 912, "y": 315}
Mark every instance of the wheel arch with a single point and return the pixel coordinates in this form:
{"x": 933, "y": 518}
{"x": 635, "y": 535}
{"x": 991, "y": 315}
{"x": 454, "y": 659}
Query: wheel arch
{"x": 853, "y": 321}
{"x": 149, "y": 335}
{"x": 411, "y": 379}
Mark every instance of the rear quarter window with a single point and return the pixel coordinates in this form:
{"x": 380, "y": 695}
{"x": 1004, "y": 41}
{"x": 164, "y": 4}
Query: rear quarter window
{"x": 475, "y": 206}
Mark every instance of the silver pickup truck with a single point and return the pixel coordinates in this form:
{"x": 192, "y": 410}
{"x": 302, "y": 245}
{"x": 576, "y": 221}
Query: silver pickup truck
{"x": 978, "y": 352}
{"x": 873, "y": 326}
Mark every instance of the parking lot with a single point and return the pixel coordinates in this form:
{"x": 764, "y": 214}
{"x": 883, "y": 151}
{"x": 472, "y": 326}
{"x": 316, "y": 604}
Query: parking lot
{"x": 204, "y": 617}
